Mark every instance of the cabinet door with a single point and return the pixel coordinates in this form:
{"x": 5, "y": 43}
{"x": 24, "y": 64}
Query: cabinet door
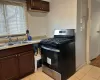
{"x": 36, "y": 5}
{"x": 9, "y": 68}
{"x": 26, "y": 63}
{"x": 45, "y": 6}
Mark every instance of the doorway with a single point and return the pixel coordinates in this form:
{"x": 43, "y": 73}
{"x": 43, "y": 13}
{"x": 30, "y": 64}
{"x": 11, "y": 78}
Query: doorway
{"x": 95, "y": 29}
{"x": 82, "y": 6}
{"x": 94, "y": 45}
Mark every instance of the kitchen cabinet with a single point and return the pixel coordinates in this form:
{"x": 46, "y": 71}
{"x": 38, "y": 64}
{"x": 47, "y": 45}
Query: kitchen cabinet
{"x": 26, "y": 59}
{"x": 38, "y": 5}
{"x": 45, "y": 6}
{"x": 16, "y": 63}
{"x": 9, "y": 68}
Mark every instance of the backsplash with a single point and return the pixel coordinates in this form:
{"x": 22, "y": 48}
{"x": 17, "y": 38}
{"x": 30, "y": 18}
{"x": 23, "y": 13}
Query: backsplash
{"x": 20, "y": 38}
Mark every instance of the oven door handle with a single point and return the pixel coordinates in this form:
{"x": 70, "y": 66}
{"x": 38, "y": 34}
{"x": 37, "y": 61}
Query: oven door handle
{"x": 50, "y": 49}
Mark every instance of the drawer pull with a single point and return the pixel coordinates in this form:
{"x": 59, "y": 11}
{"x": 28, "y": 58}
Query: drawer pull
{"x": 19, "y": 55}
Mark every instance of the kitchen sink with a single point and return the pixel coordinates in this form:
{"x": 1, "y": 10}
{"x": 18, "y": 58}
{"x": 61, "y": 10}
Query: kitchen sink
{"x": 2, "y": 45}
{"x": 21, "y": 42}
{"x": 10, "y": 44}
{"x": 17, "y": 42}
{"x": 13, "y": 43}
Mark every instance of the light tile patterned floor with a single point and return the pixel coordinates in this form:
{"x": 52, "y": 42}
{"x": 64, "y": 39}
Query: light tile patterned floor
{"x": 88, "y": 72}
{"x": 39, "y": 75}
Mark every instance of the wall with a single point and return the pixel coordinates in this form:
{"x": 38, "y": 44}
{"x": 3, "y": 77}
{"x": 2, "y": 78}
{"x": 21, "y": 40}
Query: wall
{"x": 81, "y": 32}
{"x": 95, "y": 26}
{"x": 62, "y": 15}
{"x": 37, "y": 23}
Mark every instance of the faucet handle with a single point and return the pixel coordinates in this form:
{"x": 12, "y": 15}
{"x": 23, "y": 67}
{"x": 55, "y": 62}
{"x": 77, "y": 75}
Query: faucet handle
{"x": 17, "y": 39}
{"x": 10, "y": 40}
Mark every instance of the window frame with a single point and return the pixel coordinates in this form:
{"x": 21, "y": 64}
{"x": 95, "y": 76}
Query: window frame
{"x": 15, "y": 3}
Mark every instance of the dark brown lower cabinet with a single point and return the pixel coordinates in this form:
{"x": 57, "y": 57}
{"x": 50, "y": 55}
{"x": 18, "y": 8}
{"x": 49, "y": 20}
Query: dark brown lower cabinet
{"x": 26, "y": 63}
{"x": 16, "y": 63}
{"x": 9, "y": 68}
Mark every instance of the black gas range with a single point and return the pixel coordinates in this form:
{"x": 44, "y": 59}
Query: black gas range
{"x": 55, "y": 42}
{"x": 58, "y": 54}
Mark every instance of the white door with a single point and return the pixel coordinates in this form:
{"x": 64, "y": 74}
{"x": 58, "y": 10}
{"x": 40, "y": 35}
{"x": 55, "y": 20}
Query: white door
{"x": 81, "y": 33}
{"x": 95, "y": 29}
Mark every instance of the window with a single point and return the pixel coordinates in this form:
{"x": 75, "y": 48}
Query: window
{"x": 12, "y": 19}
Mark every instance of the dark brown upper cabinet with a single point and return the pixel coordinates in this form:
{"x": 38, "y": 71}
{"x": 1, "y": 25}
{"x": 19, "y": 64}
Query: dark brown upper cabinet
{"x": 38, "y": 5}
{"x": 45, "y": 6}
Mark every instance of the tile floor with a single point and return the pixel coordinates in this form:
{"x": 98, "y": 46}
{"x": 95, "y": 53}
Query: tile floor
{"x": 96, "y": 62}
{"x": 88, "y": 72}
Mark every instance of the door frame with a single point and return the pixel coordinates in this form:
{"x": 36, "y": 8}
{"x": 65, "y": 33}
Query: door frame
{"x": 88, "y": 33}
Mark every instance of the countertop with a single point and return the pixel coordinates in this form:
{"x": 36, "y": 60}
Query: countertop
{"x": 18, "y": 45}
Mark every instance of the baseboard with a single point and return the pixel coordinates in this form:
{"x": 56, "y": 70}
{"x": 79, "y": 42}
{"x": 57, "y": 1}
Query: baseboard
{"x": 78, "y": 68}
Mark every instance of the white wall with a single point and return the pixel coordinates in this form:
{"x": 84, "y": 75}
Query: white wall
{"x": 81, "y": 32}
{"x": 62, "y": 15}
{"x": 37, "y": 23}
{"x": 95, "y": 26}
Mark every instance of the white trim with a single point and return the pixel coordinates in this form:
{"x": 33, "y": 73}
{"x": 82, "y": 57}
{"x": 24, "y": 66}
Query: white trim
{"x": 37, "y": 58}
{"x": 88, "y": 33}
{"x": 78, "y": 68}
{"x": 24, "y": 18}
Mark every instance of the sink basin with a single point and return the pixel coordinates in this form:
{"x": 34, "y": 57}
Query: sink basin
{"x": 13, "y": 43}
{"x": 2, "y": 45}
{"x": 21, "y": 42}
{"x": 10, "y": 44}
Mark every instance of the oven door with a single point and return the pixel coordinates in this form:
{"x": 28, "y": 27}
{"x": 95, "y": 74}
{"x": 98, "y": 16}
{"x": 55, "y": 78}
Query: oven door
{"x": 50, "y": 57}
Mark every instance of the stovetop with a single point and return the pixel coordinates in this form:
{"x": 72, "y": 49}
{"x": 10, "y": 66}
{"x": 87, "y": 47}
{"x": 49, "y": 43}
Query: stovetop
{"x": 55, "y": 41}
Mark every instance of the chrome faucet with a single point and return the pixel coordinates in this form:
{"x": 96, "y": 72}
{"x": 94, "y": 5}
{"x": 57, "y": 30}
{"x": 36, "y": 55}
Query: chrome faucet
{"x": 17, "y": 39}
{"x": 9, "y": 38}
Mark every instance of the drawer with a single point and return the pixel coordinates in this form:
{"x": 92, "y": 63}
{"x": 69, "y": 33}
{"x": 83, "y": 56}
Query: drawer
{"x": 15, "y": 50}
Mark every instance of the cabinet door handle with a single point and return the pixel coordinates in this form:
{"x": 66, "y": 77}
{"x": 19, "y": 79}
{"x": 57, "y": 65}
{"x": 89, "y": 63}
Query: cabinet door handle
{"x": 8, "y": 57}
{"x": 33, "y": 4}
{"x": 4, "y": 57}
{"x": 19, "y": 54}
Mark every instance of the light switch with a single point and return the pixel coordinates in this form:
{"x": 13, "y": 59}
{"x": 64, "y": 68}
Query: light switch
{"x": 81, "y": 29}
{"x": 81, "y": 20}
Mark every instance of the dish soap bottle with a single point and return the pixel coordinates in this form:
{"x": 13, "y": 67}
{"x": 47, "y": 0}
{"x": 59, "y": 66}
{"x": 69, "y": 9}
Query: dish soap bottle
{"x": 29, "y": 38}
